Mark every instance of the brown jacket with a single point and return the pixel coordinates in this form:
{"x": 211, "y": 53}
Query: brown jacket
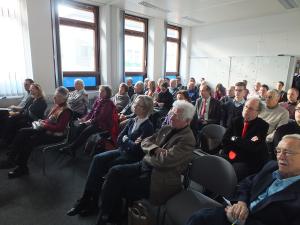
{"x": 166, "y": 173}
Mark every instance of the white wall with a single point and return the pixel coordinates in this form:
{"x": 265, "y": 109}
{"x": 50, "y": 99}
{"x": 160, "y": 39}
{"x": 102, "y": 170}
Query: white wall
{"x": 40, "y": 33}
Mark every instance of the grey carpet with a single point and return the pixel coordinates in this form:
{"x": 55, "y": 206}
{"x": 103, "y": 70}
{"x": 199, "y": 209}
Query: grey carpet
{"x": 44, "y": 200}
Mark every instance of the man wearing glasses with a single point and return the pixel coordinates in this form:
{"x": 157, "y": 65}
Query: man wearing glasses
{"x": 244, "y": 141}
{"x": 232, "y": 109}
{"x": 271, "y": 197}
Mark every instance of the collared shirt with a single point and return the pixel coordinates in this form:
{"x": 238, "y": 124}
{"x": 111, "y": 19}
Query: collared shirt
{"x": 278, "y": 185}
{"x": 137, "y": 123}
{"x": 238, "y": 103}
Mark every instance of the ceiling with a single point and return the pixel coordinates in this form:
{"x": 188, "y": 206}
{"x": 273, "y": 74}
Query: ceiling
{"x": 202, "y": 12}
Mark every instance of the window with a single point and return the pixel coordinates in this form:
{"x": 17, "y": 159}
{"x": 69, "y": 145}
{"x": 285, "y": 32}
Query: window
{"x": 77, "y": 44}
{"x": 15, "y": 56}
{"x": 173, "y": 51}
{"x": 135, "y": 47}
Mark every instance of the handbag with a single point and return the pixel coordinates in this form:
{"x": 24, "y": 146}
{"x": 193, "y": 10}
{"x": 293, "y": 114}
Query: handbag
{"x": 138, "y": 214}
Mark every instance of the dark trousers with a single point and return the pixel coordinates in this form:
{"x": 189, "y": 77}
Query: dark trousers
{"x": 84, "y": 131}
{"x": 209, "y": 216}
{"x": 130, "y": 181}
{"x": 100, "y": 165}
{"x": 26, "y": 140}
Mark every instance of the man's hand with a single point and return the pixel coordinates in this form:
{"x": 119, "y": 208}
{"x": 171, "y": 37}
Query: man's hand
{"x": 138, "y": 140}
{"x": 238, "y": 211}
{"x": 255, "y": 138}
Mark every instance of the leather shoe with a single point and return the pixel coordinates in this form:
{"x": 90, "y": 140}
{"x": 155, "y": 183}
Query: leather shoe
{"x": 79, "y": 206}
{"x": 18, "y": 172}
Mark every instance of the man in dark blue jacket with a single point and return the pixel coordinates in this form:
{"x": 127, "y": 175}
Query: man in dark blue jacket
{"x": 271, "y": 197}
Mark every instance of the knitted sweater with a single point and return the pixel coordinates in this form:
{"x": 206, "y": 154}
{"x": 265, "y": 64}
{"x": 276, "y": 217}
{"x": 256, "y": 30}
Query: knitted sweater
{"x": 275, "y": 117}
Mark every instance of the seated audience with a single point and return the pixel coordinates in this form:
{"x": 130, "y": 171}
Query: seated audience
{"x": 158, "y": 175}
{"x": 244, "y": 141}
{"x": 282, "y": 93}
{"x": 129, "y": 151}
{"x": 26, "y": 98}
{"x": 121, "y": 99}
{"x": 208, "y": 109}
{"x": 193, "y": 92}
{"x": 246, "y": 90}
{"x": 173, "y": 88}
{"x": 130, "y": 87}
{"x": 291, "y": 103}
{"x": 233, "y": 108}
{"x": 263, "y": 92}
{"x": 179, "y": 84}
{"x": 293, "y": 127}
{"x": 274, "y": 114}
{"x": 164, "y": 99}
{"x": 151, "y": 92}
{"x": 51, "y": 130}
{"x": 78, "y": 99}
{"x": 126, "y": 113}
{"x": 230, "y": 95}
{"x": 220, "y": 92}
{"x": 33, "y": 110}
{"x": 146, "y": 81}
{"x": 267, "y": 198}
{"x": 99, "y": 119}
{"x": 255, "y": 91}
{"x": 159, "y": 83}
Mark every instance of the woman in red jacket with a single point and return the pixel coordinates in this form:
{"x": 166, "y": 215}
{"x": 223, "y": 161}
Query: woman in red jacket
{"x": 51, "y": 130}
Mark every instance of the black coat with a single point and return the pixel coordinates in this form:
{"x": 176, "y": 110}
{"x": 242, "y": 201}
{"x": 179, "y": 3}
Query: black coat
{"x": 254, "y": 153}
{"x": 214, "y": 111}
{"x": 281, "y": 208}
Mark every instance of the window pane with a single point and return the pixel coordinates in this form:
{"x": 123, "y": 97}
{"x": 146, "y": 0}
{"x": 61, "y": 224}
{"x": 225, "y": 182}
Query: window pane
{"x": 135, "y": 78}
{"x": 88, "y": 81}
{"x": 134, "y": 54}
{"x": 77, "y": 49}
{"x": 172, "y": 54}
{"x": 134, "y": 25}
{"x": 172, "y": 33}
{"x": 75, "y": 14}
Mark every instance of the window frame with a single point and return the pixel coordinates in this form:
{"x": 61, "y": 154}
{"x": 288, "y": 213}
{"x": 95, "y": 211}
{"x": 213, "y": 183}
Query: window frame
{"x": 137, "y": 34}
{"x": 77, "y": 24}
{"x": 174, "y": 40}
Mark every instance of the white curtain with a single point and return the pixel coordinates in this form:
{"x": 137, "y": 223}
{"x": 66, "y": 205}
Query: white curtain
{"x": 15, "y": 57}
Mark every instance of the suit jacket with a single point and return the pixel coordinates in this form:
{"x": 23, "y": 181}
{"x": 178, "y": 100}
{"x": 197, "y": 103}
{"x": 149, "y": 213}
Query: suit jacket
{"x": 254, "y": 153}
{"x": 129, "y": 147}
{"x": 166, "y": 172}
{"x": 281, "y": 208}
{"x": 230, "y": 111}
{"x": 289, "y": 128}
{"x": 214, "y": 111}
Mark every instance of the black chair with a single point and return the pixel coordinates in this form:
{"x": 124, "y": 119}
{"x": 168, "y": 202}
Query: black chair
{"x": 215, "y": 174}
{"x": 210, "y": 138}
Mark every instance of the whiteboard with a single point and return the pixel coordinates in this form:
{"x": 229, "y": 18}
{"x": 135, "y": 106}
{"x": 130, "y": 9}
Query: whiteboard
{"x": 214, "y": 70}
{"x": 265, "y": 69}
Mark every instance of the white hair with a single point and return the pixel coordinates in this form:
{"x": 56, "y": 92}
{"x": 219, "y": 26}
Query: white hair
{"x": 80, "y": 81}
{"x": 188, "y": 109}
{"x": 291, "y": 136}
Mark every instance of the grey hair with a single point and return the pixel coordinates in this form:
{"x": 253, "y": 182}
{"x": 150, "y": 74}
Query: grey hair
{"x": 274, "y": 92}
{"x": 147, "y": 103}
{"x": 291, "y": 136}
{"x": 261, "y": 106}
{"x": 64, "y": 92}
{"x": 80, "y": 81}
{"x": 140, "y": 83}
{"x": 188, "y": 109}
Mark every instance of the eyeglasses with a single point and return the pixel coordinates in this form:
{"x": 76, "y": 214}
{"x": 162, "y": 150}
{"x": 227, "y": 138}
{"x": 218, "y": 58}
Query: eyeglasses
{"x": 238, "y": 90}
{"x": 172, "y": 114}
{"x": 285, "y": 152}
{"x": 297, "y": 109}
{"x": 269, "y": 97}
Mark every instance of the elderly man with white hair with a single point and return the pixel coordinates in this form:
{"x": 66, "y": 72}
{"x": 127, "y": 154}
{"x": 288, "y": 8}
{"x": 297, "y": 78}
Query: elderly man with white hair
{"x": 274, "y": 114}
{"x": 158, "y": 175}
{"x": 270, "y": 197}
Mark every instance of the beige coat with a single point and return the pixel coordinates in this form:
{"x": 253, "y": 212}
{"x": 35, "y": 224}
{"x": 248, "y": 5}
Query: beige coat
{"x": 166, "y": 173}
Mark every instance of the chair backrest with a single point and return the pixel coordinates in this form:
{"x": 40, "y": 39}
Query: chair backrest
{"x": 214, "y": 173}
{"x": 211, "y": 137}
